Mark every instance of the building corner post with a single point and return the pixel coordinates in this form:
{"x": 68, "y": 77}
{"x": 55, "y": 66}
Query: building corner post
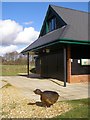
{"x": 65, "y": 68}
{"x": 68, "y": 64}
{"x": 28, "y": 64}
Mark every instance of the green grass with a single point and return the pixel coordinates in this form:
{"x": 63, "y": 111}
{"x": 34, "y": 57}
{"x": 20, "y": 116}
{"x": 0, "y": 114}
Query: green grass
{"x": 80, "y": 109}
{"x": 12, "y": 70}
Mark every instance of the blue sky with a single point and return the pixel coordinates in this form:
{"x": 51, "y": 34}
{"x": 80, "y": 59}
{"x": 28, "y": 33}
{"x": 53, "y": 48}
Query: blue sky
{"x": 21, "y": 22}
{"x": 34, "y": 11}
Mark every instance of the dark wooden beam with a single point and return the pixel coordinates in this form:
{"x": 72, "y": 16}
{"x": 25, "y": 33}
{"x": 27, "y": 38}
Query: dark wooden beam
{"x": 28, "y": 64}
{"x": 65, "y": 68}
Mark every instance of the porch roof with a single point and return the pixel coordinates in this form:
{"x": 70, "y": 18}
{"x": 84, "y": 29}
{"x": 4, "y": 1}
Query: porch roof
{"x": 53, "y": 37}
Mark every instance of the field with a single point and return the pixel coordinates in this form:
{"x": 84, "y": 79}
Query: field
{"x": 12, "y": 70}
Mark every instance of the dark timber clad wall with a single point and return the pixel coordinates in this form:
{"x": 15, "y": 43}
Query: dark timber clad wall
{"x": 78, "y": 52}
{"x": 53, "y": 65}
{"x": 38, "y": 66}
{"x": 78, "y": 69}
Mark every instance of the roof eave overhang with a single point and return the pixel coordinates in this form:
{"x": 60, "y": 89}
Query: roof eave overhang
{"x": 72, "y": 41}
{"x": 62, "y": 40}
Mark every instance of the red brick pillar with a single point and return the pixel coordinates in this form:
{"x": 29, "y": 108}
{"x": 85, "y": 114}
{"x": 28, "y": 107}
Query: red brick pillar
{"x": 68, "y": 64}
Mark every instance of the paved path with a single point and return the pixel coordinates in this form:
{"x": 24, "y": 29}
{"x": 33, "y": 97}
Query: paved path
{"x": 27, "y": 85}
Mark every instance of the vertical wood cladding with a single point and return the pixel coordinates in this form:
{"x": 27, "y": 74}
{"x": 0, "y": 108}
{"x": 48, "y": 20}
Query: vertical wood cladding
{"x": 38, "y": 65}
{"x": 78, "y": 69}
{"x": 77, "y": 53}
{"x": 52, "y": 65}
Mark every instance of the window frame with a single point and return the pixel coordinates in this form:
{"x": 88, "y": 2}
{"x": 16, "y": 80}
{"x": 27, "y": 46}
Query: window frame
{"x": 52, "y": 24}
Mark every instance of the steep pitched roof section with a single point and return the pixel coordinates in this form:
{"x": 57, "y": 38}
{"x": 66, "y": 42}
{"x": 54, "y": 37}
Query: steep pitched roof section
{"x": 77, "y": 21}
{"x": 48, "y": 38}
{"x": 75, "y": 30}
{"x": 50, "y": 13}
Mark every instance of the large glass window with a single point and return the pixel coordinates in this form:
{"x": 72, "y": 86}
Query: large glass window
{"x": 52, "y": 24}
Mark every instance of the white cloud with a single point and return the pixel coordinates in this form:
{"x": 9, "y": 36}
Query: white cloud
{"x": 12, "y": 34}
{"x": 20, "y": 49}
{"x": 8, "y": 31}
{"x": 27, "y": 36}
{"x": 7, "y": 49}
{"x": 28, "y": 23}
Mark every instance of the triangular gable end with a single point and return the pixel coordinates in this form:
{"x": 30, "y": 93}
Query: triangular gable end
{"x": 51, "y": 13}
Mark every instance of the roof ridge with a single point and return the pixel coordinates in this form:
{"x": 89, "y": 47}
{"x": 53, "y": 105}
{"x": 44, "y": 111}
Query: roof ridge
{"x": 68, "y": 8}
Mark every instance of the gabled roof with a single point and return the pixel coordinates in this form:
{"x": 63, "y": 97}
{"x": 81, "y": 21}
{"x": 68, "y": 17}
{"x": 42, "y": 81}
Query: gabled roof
{"x": 75, "y": 29}
{"x": 77, "y": 21}
{"x": 49, "y": 13}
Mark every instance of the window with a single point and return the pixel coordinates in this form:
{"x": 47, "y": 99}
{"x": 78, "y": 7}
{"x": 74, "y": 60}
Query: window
{"x": 85, "y": 61}
{"x": 52, "y": 24}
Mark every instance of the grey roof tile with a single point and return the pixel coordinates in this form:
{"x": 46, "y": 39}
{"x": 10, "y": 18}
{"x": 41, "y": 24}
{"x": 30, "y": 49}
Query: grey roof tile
{"x": 77, "y": 20}
{"x": 49, "y": 37}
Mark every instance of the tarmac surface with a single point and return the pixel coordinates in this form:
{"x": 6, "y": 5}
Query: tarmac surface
{"x": 28, "y": 84}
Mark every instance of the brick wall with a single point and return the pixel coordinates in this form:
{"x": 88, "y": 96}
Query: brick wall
{"x": 80, "y": 78}
{"x": 74, "y": 78}
{"x": 68, "y": 64}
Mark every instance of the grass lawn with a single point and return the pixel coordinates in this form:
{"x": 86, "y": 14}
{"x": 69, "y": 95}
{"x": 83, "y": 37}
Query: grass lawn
{"x": 80, "y": 109}
{"x": 12, "y": 70}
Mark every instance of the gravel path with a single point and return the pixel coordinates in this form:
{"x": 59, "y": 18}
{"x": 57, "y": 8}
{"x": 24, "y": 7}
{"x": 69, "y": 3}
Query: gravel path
{"x": 14, "y": 105}
{"x": 17, "y": 96}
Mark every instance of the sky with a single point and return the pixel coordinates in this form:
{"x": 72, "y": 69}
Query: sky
{"x": 21, "y": 22}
